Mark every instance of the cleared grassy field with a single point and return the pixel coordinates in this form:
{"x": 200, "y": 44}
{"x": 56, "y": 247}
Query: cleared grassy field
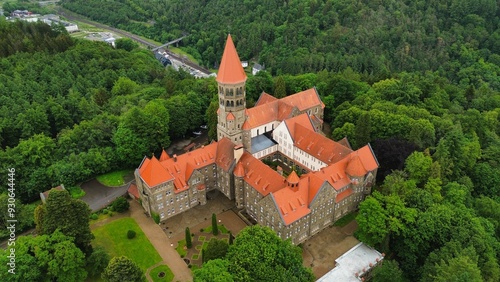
{"x": 113, "y": 237}
{"x": 114, "y": 178}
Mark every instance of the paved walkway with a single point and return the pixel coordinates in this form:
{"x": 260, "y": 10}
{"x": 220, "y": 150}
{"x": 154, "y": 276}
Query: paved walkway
{"x": 161, "y": 243}
{"x": 338, "y": 241}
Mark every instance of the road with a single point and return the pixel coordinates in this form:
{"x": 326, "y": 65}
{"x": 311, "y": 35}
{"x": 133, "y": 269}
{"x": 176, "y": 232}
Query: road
{"x": 75, "y": 17}
{"x": 97, "y": 196}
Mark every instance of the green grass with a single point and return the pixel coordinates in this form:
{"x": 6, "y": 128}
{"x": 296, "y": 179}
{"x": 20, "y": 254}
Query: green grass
{"x": 114, "y": 178}
{"x": 346, "y": 219}
{"x": 182, "y": 52}
{"x": 161, "y": 268}
{"x": 195, "y": 256}
{"x": 76, "y": 192}
{"x": 113, "y": 237}
{"x": 180, "y": 248}
{"x": 221, "y": 227}
{"x": 201, "y": 238}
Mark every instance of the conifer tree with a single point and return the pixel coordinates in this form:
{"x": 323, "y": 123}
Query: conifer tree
{"x": 279, "y": 88}
{"x": 189, "y": 242}
{"x": 215, "y": 228}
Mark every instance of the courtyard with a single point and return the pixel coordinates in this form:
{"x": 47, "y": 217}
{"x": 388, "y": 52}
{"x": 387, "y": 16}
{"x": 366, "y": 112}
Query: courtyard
{"x": 196, "y": 217}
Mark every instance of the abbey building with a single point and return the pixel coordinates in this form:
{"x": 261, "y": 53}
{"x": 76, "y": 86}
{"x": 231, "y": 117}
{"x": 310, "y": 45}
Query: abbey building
{"x": 333, "y": 179}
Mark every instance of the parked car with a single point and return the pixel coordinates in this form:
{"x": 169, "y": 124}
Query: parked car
{"x": 204, "y": 126}
{"x": 197, "y": 132}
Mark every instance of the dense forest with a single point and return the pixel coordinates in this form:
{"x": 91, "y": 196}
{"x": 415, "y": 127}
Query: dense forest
{"x": 458, "y": 38}
{"x": 71, "y": 109}
{"x": 417, "y": 79}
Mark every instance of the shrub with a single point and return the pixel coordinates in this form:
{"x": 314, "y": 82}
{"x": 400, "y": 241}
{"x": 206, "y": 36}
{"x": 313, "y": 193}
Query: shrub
{"x": 131, "y": 234}
{"x": 105, "y": 211}
{"x": 156, "y": 217}
{"x": 94, "y": 216}
{"x": 120, "y": 204}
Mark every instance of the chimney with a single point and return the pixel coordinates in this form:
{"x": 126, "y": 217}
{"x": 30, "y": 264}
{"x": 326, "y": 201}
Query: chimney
{"x": 238, "y": 152}
{"x": 175, "y": 157}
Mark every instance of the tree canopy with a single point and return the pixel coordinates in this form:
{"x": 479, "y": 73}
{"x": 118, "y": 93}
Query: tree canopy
{"x": 69, "y": 216}
{"x": 258, "y": 254}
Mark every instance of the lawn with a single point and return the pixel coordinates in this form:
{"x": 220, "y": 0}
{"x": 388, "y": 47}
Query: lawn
{"x": 76, "y": 192}
{"x": 180, "y": 248}
{"x": 114, "y": 178}
{"x": 221, "y": 227}
{"x": 113, "y": 237}
{"x": 161, "y": 268}
{"x": 181, "y": 52}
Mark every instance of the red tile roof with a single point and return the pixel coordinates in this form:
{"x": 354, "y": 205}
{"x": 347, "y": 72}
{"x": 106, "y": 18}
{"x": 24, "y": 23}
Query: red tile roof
{"x": 164, "y": 156}
{"x": 260, "y": 115}
{"x": 293, "y": 203}
{"x": 315, "y": 184}
{"x": 239, "y": 171}
{"x": 260, "y": 176}
{"x": 264, "y": 99}
{"x": 302, "y": 119}
{"x": 225, "y": 153}
{"x": 344, "y": 194}
{"x": 368, "y": 158}
{"x": 178, "y": 169}
{"x": 304, "y": 100}
{"x": 319, "y": 146}
{"x": 355, "y": 167}
{"x": 132, "y": 190}
{"x": 230, "y": 69}
{"x": 230, "y": 116}
{"x": 335, "y": 175}
{"x": 293, "y": 178}
{"x": 153, "y": 173}
{"x": 344, "y": 142}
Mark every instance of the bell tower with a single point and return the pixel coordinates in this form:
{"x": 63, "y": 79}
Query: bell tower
{"x": 231, "y": 80}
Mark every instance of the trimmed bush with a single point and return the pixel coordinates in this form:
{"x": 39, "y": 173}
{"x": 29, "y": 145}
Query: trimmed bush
{"x": 94, "y": 216}
{"x": 156, "y": 217}
{"x": 120, "y": 205}
{"x": 105, "y": 211}
{"x": 131, "y": 234}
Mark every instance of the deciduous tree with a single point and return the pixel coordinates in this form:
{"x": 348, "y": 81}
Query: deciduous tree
{"x": 70, "y": 216}
{"x": 258, "y": 254}
{"x": 216, "y": 249}
{"x": 122, "y": 269}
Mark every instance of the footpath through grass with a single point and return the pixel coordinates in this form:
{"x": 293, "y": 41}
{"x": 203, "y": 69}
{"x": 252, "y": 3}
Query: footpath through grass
{"x": 114, "y": 178}
{"x": 113, "y": 237}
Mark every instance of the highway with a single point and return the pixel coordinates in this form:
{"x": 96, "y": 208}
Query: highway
{"x": 76, "y": 17}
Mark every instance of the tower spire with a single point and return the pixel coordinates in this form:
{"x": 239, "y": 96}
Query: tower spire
{"x": 230, "y": 69}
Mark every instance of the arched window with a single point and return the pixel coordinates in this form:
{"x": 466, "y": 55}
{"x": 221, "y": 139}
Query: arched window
{"x": 227, "y": 103}
{"x": 232, "y": 103}
{"x": 231, "y": 93}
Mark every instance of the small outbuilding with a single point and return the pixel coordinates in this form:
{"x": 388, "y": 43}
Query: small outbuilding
{"x": 45, "y": 195}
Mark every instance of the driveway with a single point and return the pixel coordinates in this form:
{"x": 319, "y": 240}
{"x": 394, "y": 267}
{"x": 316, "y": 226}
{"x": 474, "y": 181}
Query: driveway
{"x": 99, "y": 196}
